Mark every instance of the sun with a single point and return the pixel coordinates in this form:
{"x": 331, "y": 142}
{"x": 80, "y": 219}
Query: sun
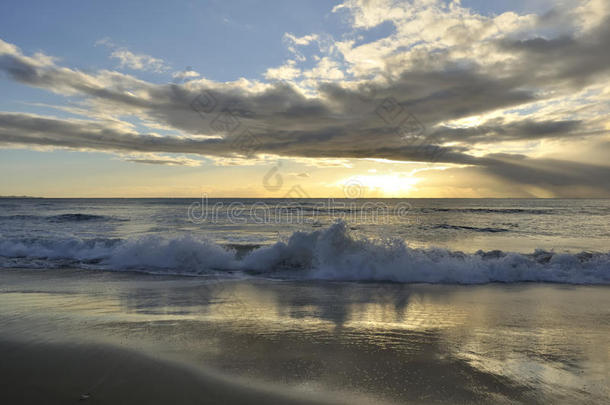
{"x": 392, "y": 185}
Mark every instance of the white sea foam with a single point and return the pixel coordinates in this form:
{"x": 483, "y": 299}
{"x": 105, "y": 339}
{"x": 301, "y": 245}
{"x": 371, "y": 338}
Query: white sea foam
{"x": 326, "y": 254}
{"x": 332, "y": 254}
{"x": 184, "y": 254}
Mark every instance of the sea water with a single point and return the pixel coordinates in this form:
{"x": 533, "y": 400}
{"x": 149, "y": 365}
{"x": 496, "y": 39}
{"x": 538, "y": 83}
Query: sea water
{"x": 365, "y": 301}
{"x": 401, "y": 240}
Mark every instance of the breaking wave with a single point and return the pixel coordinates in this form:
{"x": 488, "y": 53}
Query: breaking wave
{"x": 325, "y": 254}
{"x": 185, "y": 254}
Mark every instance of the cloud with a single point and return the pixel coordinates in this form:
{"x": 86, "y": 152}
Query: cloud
{"x": 164, "y": 161}
{"x": 341, "y": 122}
{"x": 301, "y": 174}
{"x": 128, "y": 59}
{"x": 496, "y": 131}
{"x": 368, "y": 14}
{"x": 325, "y": 70}
{"x": 185, "y": 74}
{"x": 29, "y": 129}
{"x": 577, "y": 59}
{"x": 292, "y": 42}
{"x": 446, "y": 85}
{"x": 287, "y": 71}
{"x": 304, "y": 40}
{"x": 139, "y": 61}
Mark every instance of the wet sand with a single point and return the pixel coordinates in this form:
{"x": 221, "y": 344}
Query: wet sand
{"x": 134, "y": 338}
{"x": 54, "y": 373}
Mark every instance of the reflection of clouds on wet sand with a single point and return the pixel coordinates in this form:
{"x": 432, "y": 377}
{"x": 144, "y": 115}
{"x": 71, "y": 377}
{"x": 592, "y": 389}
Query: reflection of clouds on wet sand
{"x": 398, "y": 342}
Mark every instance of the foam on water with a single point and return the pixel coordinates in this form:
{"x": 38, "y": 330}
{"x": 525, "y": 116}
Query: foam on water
{"x": 326, "y": 254}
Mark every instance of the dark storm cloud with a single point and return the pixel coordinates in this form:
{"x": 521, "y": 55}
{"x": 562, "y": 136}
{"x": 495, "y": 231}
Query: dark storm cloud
{"x": 496, "y": 131}
{"x": 34, "y": 130}
{"x": 577, "y": 59}
{"x": 25, "y": 129}
{"x": 279, "y": 120}
{"x": 339, "y": 123}
{"x": 162, "y": 162}
{"x": 454, "y": 92}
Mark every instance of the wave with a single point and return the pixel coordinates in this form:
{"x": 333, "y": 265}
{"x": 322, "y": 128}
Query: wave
{"x": 21, "y": 217}
{"x": 333, "y": 254}
{"x": 534, "y": 211}
{"x": 71, "y": 217}
{"x": 185, "y": 254}
{"x": 325, "y": 254}
{"x": 76, "y": 217}
{"x": 469, "y": 228}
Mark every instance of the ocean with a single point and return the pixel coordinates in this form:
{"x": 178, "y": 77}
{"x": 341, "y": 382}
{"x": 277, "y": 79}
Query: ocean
{"x": 233, "y": 301}
{"x": 402, "y": 240}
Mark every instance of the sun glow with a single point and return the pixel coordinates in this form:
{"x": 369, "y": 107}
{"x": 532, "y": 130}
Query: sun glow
{"x": 381, "y": 185}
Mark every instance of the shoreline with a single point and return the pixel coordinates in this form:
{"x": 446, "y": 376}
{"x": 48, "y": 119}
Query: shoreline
{"x": 253, "y": 276}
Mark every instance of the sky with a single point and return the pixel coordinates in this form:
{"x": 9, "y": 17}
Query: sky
{"x": 360, "y": 98}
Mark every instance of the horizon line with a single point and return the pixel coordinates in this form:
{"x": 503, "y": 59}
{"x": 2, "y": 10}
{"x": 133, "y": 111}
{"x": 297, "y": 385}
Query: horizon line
{"x": 302, "y": 198}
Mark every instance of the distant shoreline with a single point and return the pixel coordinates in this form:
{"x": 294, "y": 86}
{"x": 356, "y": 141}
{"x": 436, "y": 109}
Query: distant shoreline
{"x": 18, "y": 196}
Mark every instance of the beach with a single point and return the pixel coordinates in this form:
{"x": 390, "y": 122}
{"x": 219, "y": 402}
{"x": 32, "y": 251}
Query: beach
{"x": 70, "y": 335}
{"x": 361, "y": 202}
{"x": 55, "y": 373}
{"x": 352, "y": 301}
